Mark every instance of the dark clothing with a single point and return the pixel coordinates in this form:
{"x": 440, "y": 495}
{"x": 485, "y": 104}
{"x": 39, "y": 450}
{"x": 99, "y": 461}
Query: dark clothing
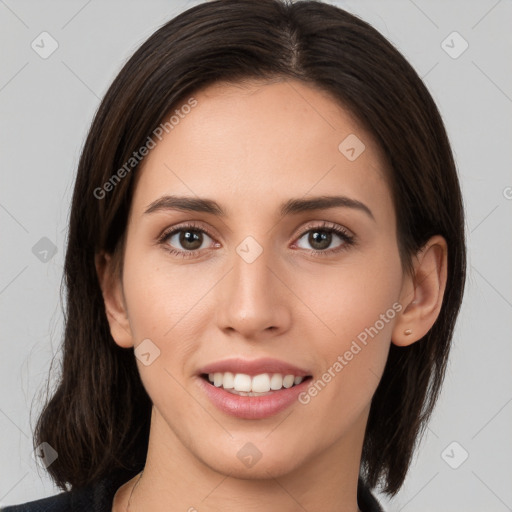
{"x": 98, "y": 497}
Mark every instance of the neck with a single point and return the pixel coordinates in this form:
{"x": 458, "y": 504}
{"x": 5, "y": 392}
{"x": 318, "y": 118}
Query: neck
{"x": 175, "y": 479}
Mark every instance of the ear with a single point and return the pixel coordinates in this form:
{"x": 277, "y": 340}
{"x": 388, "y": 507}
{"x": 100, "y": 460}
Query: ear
{"x": 422, "y": 293}
{"x": 113, "y": 297}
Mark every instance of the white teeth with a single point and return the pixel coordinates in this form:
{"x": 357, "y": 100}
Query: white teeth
{"x": 222, "y": 379}
{"x": 242, "y": 382}
{"x": 262, "y": 383}
{"x": 276, "y": 382}
{"x": 288, "y": 381}
{"x": 217, "y": 380}
{"x": 228, "y": 382}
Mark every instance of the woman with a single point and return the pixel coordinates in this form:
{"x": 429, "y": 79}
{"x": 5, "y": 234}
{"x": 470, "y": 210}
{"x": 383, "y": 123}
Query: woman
{"x": 264, "y": 268}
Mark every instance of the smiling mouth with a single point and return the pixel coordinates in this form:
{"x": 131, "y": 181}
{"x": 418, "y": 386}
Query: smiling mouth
{"x": 258, "y": 385}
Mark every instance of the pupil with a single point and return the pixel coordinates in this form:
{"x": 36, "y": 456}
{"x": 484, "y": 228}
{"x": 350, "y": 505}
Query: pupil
{"x": 323, "y": 237}
{"x": 190, "y": 237}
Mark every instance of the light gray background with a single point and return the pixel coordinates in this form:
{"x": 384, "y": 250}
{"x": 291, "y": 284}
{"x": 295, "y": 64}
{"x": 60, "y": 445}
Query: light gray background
{"x": 46, "y": 107}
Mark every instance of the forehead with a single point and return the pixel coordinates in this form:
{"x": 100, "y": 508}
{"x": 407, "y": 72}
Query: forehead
{"x": 255, "y": 143}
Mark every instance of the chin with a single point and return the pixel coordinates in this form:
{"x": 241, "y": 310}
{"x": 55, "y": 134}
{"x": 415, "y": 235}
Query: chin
{"x": 252, "y": 460}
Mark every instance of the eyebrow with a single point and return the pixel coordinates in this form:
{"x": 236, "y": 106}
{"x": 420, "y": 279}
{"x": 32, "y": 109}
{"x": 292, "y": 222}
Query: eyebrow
{"x": 292, "y": 206}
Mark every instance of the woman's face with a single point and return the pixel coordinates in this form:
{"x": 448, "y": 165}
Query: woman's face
{"x": 266, "y": 279}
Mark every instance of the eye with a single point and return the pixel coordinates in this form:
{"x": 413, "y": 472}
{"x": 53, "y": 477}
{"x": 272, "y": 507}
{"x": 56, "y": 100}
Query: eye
{"x": 186, "y": 240}
{"x": 321, "y": 237}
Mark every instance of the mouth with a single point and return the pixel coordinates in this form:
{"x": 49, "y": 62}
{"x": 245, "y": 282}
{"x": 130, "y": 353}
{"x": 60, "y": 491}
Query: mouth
{"x": 253, "y": 389}
{"x": 263, "y": 384}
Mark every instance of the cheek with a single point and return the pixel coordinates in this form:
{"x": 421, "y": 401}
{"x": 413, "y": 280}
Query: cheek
{"x": 353, "y": 295}
{"x": 163, "y": 298}
{"x": 360, "y": 305}
{"x": 161, "y": 302}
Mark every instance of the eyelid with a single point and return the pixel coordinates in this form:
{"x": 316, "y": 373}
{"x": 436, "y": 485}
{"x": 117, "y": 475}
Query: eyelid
{"x": 324, "y": 224}
{"x": 310, "y": 225}
{"x": 183, "y": 226}
{"x": 342, "y": 232}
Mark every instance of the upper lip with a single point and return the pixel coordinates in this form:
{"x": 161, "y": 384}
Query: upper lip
{"x": 254, "y": 367}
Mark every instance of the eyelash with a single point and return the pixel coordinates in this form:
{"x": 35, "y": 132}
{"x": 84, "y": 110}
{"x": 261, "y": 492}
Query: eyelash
{"x": 348, "y": 240}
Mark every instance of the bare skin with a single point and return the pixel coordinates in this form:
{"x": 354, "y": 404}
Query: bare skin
{"x": 251, "y": 147}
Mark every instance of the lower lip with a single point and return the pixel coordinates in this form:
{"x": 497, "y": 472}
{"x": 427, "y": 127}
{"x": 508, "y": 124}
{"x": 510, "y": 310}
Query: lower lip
{"x": 252, "y": 407}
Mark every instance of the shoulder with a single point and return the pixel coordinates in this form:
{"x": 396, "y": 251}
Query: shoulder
{"x": 58, "y": 503}
{"x": 97, "y": 497}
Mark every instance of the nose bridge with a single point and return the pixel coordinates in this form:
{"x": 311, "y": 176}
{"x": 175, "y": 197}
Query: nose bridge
{"x": 251, "y": 269}
{"x": 252, "y": 302}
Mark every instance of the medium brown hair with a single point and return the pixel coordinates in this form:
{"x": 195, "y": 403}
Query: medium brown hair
{"x": 98, "y": 417}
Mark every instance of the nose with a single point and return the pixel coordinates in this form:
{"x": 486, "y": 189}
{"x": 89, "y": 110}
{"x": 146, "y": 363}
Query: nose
{"x": 254, "y": 300}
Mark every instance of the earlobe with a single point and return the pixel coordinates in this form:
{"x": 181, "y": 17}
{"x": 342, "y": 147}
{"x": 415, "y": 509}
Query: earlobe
{"x": 115, "y": 307}
{"x": 422, "y": 293}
